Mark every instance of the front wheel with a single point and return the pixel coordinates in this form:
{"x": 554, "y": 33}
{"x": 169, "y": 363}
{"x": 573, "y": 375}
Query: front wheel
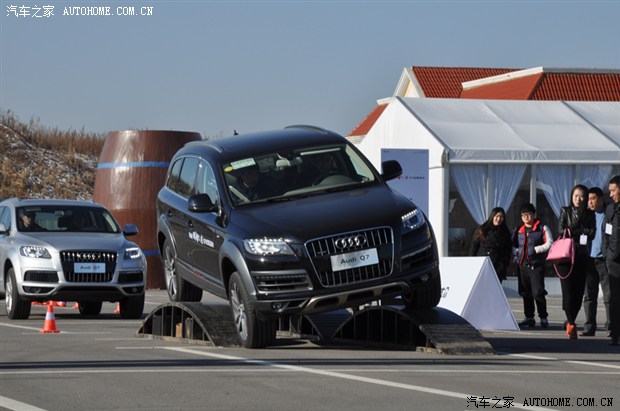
{"x": 178, "y": 288}
{"x": 16, "y": 307}
{"x": 426, "y": 295}
{"x": 132, "y": 307}
{"x": 252, "y": 332}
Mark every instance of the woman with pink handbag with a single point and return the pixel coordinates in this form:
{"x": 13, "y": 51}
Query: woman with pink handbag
{"x": 581, "y": 223}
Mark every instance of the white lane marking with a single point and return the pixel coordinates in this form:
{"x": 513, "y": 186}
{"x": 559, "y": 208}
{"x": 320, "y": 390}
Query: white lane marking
{"x": 537, "y": 357}
{"x": 271, "y": 370}
{"x": 340, "y": 375}
{"x": 23, "y": 327}
{"x": 16, "y": 405}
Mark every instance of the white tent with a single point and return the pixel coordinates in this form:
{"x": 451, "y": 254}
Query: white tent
{"x": 501, "y": 138}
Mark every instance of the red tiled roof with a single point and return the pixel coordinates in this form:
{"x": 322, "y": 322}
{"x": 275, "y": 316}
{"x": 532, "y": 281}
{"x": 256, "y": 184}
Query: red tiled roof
{"x": 446, "y": 82}
{"x": 366, "y": 124}
{"x": 520, "y": 88}
{"x": 578, "y": 87}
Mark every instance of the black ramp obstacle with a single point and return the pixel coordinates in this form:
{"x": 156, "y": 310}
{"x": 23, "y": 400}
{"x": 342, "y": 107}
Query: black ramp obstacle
{"x": 403, "y": 328}
{"x": 209, "y": 324}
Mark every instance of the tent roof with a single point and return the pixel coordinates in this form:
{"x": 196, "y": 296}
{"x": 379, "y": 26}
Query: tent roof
{"x": 483, "y": 131}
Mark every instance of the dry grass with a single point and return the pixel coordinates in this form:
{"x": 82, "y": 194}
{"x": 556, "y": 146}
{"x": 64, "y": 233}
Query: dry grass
{"x": 48, "y": 163}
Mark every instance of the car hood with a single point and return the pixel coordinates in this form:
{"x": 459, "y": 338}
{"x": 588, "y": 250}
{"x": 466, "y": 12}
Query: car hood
{"x": 74, "y": 241}
{"x": 323, "y": 214}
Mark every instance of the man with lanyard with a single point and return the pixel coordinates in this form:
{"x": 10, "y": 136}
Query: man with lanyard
{"x": 596, "y": 272}
{"x": 611, "y": 247}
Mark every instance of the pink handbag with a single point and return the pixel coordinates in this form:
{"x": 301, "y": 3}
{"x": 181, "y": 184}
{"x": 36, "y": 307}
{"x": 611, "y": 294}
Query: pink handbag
{"x": 562, "y": 251}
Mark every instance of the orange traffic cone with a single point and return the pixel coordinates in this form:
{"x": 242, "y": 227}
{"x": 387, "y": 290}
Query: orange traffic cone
{"x": 58, "y": 303}
{"x": 49, "y": 326}
{"x": 117, "y": 310}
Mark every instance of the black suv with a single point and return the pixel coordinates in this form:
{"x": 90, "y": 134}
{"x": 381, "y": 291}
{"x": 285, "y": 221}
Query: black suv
{"x": 292, "y": 221}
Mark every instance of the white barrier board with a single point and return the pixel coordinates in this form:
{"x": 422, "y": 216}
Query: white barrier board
{"x": 471, "y": 289}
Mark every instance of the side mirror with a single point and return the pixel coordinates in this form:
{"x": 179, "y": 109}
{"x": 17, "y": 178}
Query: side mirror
{"x": 201, "y": 203}
{"x": 391, "y": 169}
{"x": 130, "y": 229}
{"x": 3, "y": 229}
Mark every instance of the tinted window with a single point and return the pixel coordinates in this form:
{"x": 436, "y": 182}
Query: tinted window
{"x": 65, "y": 218}
{"x": 207, "y": 183}
{"x": 188, "y": 176}
{"x": 173, "y": 178}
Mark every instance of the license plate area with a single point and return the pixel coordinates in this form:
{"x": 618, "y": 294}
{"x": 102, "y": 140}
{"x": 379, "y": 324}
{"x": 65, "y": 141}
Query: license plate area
{"x": 354, "y": 259}
{"x": 89, "y": 268}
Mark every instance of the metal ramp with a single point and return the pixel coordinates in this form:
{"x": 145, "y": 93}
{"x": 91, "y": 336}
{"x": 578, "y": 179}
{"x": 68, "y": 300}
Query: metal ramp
{"x": 195, "y": 323}
{"x": 382, "y": 326}
{"x": 395, "y": 327}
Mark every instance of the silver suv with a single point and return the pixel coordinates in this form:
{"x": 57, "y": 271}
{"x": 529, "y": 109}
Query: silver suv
{"x": 68, "y": 250}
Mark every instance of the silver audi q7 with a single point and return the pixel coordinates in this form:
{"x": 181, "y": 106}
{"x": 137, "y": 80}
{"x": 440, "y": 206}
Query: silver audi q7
{"x": 68, "y": 250}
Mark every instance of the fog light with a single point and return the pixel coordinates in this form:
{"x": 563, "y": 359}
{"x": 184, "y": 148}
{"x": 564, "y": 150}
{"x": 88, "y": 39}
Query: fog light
{"x": 277, "y": 306}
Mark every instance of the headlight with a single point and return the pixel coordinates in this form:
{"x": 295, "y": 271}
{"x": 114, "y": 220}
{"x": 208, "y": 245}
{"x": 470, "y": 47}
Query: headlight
{"x": 132, "y": 253}
{"x": 267, "y": 246}
{"x": 34, "y": 251}
{"x": 412, "y": 220}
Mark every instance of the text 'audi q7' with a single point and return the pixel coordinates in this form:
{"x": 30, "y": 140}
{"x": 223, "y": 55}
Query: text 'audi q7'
{"x": 290, "y": 222}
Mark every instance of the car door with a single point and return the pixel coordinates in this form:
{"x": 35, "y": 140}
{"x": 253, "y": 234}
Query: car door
{"x": 205, "y": 231}
{"x": 181, "y": 221}
{"x": 5, "y": 219}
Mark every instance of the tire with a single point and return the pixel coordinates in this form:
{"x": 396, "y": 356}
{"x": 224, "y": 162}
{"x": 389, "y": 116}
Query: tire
{"x": 16, "y": 307}
{"x": 425, "y": 296}
{"x": 90, "y": 307}
{"x": 178, "y": 288}
{"x": 252, "y": 332}
{"x": 131, "y": 308}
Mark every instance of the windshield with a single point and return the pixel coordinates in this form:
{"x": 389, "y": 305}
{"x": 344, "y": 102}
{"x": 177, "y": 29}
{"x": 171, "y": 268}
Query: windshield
{"x": 59, "y": 218}
{"x": 283, "y": 175}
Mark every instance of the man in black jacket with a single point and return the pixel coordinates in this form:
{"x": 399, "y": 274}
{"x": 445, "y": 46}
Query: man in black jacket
{"x": 611, "y": 245}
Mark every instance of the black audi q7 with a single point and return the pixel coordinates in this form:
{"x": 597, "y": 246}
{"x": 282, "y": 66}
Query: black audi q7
{"x": 292, "y": 221}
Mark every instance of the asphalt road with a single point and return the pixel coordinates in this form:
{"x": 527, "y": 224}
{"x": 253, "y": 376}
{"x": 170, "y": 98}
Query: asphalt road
{"x": 100, "y": 364}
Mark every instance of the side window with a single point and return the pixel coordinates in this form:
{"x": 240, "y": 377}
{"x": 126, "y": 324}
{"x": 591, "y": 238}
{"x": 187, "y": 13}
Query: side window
{"x": 188, "y": 176}
{"x": 5, "y": 217}
{"x": 175, "y": 173}
{"x": 206, "y": 182}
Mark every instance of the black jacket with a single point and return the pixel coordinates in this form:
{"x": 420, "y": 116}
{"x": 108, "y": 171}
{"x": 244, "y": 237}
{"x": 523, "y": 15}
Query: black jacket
{"x": 578, "y": 221}
{"x": 497, "y": 246}
{"x": 611, "y": 243}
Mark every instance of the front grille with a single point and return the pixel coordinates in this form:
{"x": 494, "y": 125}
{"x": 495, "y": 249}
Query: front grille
{"x": 322, "y": 249}
{"x": 69, "y": 258}
{"x": 41, "y": 276}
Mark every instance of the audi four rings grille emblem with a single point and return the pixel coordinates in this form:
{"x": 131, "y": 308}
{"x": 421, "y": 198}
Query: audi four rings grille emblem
{"x": 353, "y": 241}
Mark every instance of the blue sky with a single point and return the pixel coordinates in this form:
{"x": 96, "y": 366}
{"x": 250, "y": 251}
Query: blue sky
{"x": 216, "y": 66}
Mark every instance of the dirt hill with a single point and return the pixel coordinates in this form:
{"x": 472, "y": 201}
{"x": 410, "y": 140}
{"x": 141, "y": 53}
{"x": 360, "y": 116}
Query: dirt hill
{"x": 39, "y": 163}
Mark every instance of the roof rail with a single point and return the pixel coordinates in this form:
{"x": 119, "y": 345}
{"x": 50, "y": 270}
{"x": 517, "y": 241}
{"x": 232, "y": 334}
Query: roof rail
{"x": 308, "y": 127}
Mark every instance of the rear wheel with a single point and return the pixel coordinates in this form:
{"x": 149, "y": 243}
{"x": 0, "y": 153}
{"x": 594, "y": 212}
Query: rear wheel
{"x": 178, "y": 288}
{"x": 132, "y": 307}
{"x": 16, "y": 307}
{"x": 90, "y": 307}
{"x": 252, "y": 332}
{"x": 426, "y": 295}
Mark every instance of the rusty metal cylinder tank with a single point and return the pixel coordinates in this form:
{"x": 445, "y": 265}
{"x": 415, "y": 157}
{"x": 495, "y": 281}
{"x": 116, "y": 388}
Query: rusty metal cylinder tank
{"x": 131, "y": 170}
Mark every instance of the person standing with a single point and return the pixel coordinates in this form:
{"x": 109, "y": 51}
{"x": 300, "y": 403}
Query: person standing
{"x": 611, "y": 249}
{"x": 492, "y": 239}
{"x": 581, "y": 223}
{"x": 596, "y": 272}
{"x": 532, "y": 240}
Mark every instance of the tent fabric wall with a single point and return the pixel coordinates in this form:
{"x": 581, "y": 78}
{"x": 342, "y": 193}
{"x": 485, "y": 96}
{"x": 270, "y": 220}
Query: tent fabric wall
{"x": 462, "y": 131}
